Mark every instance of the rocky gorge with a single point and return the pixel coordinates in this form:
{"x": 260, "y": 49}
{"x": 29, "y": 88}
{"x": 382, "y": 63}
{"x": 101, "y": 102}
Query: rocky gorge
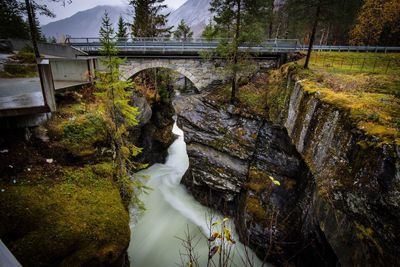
{"x": 305, "y": 185}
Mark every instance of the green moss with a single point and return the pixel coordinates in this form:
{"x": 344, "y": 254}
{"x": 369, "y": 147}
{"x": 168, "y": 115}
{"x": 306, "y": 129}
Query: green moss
{"x": 79, "y": 219}
{"x": 164, "y": 135}
{"x": 254, "y": 207}
{"x": 366, "y": 233}
{"x": 258, "y": 181}
{"x": 82, "y": 134}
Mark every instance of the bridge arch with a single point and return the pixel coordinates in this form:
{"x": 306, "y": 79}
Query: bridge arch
{"x": 129, "y": 72}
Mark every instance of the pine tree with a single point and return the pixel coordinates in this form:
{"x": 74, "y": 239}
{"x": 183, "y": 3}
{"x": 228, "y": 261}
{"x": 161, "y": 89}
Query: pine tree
{"x": 119, "y": 115}
{"x": 236, "y": 20}
{"x": 31, "y": 7}
{"x": 148, "y": 20}
{"x": 312, "y": 13}
{"x": 209, "y": 32}
{"x": 183, "y": 31}
{"x": 12, "y": 21}
{"x": 38, "y": 30}
{"x": 295, "y": 18}
{"x": 122, "y": 34}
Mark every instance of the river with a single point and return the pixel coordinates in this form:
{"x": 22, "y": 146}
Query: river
{"x": 170, "y": 211}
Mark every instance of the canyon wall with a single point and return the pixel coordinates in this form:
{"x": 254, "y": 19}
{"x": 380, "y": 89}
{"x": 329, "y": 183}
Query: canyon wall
{"x": 306, "y": 187}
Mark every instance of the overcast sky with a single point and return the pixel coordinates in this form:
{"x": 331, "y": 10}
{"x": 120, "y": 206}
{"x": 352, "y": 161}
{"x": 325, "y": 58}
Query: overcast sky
{"x": 79, "y": 5}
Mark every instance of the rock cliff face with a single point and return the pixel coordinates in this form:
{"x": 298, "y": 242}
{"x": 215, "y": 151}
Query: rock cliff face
{"x": 232, "y": 158}
{"x": 356, "y": 199}
{"x": 219, "y": 145}
{"x": 311, "y": 190}
{"x": 154, "y": 132}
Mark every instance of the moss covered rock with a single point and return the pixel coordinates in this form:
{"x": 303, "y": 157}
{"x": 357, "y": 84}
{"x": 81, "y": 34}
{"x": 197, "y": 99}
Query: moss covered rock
{"x": 59, "y": 202}
{"x": 78, "y": 220}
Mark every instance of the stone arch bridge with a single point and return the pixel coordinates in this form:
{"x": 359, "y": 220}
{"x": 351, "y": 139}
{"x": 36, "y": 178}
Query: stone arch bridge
{"x": 202, "y": 73}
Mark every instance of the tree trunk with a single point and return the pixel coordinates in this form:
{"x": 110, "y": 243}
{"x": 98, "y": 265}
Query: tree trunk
{"x": 271, "y": 19}
{"x": 235, "y": 53}
{"x": 314, "y": 29}
{"x": 32, "y": 27}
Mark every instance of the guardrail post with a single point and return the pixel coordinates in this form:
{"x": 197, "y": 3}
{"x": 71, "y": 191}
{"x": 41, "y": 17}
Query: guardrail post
{"x": 387, "y": 66}
{"x": 362, "y": 66}
{"x": 47, "y": 83}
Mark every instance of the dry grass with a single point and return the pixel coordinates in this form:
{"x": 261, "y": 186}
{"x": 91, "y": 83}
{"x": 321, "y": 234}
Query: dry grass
{"x": 371, "y": 98}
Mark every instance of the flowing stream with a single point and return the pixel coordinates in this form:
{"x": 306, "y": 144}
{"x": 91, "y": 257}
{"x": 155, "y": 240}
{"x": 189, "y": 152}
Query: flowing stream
{"x": 170, "y": 211}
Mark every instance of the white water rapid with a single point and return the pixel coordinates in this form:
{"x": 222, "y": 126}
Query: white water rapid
{"x": 170, "y": 209}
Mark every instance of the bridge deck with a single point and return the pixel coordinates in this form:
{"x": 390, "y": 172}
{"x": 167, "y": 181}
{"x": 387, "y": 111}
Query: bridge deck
{"x": 192, "y": 47}
{"x": 24, "y": 96}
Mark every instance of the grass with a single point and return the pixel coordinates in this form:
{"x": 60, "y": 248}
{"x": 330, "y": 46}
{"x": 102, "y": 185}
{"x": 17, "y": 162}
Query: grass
{"x": 353, "y": 62}
{"x": 371, "y": 98}
{"x": 251, "y": 96}
{"x": 370, "y": 95}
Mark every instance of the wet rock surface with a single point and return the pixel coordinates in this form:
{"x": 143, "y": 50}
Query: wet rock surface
{"x": 219, "y": 147}
{"x": 312, "y": 191}
{"x": 356, "y": 198}
{"x": 154, "y": 132}
{"x": 232, "y": 161}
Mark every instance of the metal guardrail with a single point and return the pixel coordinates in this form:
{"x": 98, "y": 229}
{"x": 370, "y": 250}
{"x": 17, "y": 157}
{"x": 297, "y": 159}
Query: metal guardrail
{"x": 145, "y": 44}
{"x": 173, "y": 45}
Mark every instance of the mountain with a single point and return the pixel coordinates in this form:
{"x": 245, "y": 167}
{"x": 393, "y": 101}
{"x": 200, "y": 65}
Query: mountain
{"x": 194, "y": 12}
{"x": 87, "y": 23}
{"x": 84, "y": 23}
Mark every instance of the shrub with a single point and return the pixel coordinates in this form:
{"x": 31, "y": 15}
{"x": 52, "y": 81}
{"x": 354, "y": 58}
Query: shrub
{"x": 81, "y": 135}
{"x": 20, "y": 70}
{"x": 26, "y": 55}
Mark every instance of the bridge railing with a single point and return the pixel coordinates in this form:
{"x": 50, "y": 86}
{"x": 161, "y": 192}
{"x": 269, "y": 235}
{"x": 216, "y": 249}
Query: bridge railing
{"x": 190, "y": 44}
{"x": 164, "y": 40}
{"x": 163, "y": 44}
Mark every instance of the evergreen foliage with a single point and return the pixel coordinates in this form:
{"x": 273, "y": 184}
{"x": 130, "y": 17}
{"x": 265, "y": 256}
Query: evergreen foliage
{"x": 183, "y": 31}
{"x": 119, "y": 115}
{"x": 122, "y": 33}
{"x": 236, "y": 22}
{"x": 294, "y": 19}
{"x": 12, "y": 21}
{"x": 148, "y": 20}
{"x": 209, "y": 31}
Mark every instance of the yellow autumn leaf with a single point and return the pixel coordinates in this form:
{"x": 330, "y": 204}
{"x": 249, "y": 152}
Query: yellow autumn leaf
{"x": 276, "y": 182}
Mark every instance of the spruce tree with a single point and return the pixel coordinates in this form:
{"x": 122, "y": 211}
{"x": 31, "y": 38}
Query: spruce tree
{"x": 183, "y": 31}
{"x": 12, "y": 21}
{"x": 115, "y": 94}
{"x": 122, "y": 33}
{"x": 148, "y": 20}
{"x": 31, "y": 7}
{"x": 235, "y": 22}
{"x": 209, "y": 32}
